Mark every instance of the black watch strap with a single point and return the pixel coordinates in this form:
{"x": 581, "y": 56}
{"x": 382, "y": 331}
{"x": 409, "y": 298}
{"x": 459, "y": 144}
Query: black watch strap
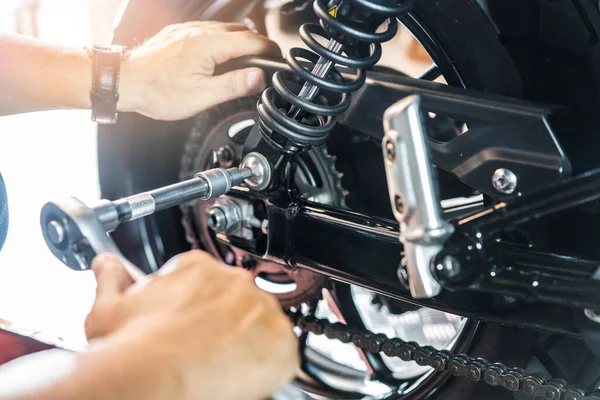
{"x": 106, "y": 68}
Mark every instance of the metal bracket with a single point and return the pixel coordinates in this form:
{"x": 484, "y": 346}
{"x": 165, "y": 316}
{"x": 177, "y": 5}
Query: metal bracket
{"x": 413, "y": 194}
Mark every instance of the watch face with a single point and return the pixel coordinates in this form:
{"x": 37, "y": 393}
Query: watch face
{"x": 107, "y": 80}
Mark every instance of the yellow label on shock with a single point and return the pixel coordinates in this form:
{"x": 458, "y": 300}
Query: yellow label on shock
{"x": 333, "y": 11}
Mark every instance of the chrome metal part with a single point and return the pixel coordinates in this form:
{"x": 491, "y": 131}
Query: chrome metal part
{"x": 225, "y": 216}
{"x": 233, "y": 217}
{"x": 142, "y": 205}
{"x": 220, "y": 181}
{"x": 217, "y": 220}
{"x": 321, "y": 69}
{"x": 82, "y": 236}
{"x": 504, "y": 181}
{"x": 261, "y": 171}
{"x": 413, "y": 194}
{"x": 76, "y": 233}
{"x": 56, "y": 232}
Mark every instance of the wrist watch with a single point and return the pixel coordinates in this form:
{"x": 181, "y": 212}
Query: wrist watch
{"x": 106, "y": 67}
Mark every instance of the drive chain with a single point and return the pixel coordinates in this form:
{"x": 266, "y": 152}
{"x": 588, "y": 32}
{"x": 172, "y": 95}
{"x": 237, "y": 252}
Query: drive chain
{"x": 459, "y": 365}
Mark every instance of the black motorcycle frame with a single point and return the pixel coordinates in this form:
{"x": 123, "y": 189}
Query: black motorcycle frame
{"x": 496, "y": 272}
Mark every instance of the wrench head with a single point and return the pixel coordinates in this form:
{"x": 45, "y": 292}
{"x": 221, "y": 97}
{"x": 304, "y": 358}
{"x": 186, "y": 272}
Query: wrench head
{"x": 64, "y": 226}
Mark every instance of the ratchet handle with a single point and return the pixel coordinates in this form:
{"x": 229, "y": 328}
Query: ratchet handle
{"x": 75, "y": 233}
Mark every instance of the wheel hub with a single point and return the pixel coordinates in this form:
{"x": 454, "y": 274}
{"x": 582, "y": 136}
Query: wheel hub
{"x": 217, "y": 140}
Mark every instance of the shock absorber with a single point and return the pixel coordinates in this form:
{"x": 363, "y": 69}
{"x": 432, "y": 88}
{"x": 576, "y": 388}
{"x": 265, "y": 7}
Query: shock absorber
{"x": 299, "y": 110}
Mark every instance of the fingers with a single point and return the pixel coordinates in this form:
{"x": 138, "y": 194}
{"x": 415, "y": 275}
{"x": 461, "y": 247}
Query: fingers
{"x": 112, "y": 280}
{"x": 111, "y": 276}
{"x": 192, "y": 258}
{"x": 230, "y": 45}
{"x": 232, "y": 85}
{"x": 202, "y": 26}
{"x": 231, "y": 27}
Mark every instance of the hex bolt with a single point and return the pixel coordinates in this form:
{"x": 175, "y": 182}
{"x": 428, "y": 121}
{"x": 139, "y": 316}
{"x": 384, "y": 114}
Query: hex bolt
{"x": 504, "y": 181}
{"x": 216, "y": 218}
{"x": 225, "y": 156}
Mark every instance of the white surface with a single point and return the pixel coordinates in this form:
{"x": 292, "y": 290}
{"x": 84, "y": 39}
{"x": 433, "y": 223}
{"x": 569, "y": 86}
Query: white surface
{"x": 46, "y": 156}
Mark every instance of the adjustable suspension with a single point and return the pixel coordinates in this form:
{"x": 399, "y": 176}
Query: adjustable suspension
{"x": 299, "y": 110}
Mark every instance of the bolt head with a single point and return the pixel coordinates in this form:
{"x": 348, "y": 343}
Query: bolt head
{"x": 225, "y": 156}
{"x": 390, "y": 150}
{"x": 504, "y": 181}
{"x": 216, "y": 219}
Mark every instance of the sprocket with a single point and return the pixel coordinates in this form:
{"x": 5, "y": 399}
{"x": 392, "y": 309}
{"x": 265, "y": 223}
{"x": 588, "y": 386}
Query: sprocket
{"x": 227, "y": 126}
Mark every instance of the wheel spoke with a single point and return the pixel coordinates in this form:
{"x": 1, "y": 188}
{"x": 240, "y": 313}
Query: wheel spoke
{"x": 349, "y": 315}
{"x": 432, "y": 73}
{"x": 553, "y": 366}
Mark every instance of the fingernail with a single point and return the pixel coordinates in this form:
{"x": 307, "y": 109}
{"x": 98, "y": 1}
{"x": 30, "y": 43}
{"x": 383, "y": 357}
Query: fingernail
{"x": 255, "y": 81}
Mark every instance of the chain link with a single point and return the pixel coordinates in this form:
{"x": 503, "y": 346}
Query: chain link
{"x": 459, "y": 365}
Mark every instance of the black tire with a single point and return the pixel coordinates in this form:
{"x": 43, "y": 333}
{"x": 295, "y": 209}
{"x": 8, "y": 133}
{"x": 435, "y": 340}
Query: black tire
{"x": 508, "y": 48}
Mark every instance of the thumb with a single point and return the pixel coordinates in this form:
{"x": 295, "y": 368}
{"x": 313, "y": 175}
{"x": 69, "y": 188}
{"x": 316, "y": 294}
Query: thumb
{"x": 111, "y": 277}
{"x": 233, "y": 85}
{"x": 112, "y": 280}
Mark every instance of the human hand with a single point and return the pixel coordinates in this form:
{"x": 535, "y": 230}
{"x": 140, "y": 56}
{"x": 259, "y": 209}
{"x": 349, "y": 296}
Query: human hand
{"x": 170, "y": 76}
{"x": 200, "y": 329}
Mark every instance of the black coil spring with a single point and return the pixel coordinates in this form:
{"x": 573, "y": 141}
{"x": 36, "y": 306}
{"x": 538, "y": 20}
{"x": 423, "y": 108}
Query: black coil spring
{"x": 303, "y": 132}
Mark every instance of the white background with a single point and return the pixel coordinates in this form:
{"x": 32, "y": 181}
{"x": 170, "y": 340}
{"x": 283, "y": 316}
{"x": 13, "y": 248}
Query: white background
{"x": 46, "y": 156}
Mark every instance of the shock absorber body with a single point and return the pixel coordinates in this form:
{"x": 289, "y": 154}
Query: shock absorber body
{"x": 299, "y": 110}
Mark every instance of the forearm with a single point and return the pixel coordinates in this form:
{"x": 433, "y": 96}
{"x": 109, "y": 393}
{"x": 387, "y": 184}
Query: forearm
{"x": 110, "y": 372}
{"x": 35, "y": 75}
